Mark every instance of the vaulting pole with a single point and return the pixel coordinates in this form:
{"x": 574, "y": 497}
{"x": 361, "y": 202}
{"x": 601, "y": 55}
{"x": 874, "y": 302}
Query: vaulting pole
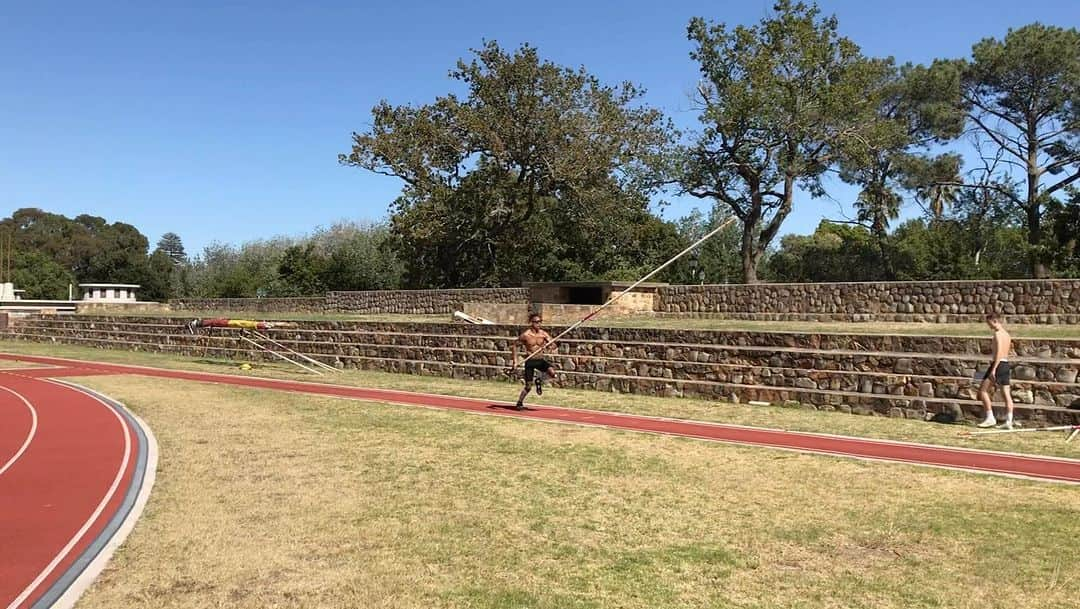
{"x": 261, "y": 336}
{"x": 1073, "y": 429}
{"x": 616, "y": 297}
{"x": 276, "y": 354}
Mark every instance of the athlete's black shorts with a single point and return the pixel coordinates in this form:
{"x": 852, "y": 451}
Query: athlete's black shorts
{"x": 532, "y": 365}
{"x": 1003, "y": 375}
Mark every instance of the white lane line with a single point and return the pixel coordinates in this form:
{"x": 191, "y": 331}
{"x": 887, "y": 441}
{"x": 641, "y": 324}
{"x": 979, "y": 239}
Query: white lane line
{"x": 29, "y": 435}
{"x": 93, "y": 517}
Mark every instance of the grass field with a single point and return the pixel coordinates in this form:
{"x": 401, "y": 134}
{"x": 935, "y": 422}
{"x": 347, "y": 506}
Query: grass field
{"x": 266, "y": 499}
{"x": 926, "y": 329}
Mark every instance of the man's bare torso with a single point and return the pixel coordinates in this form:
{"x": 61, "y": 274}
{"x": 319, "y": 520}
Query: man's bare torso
{"x": 1002, "y": 345}
{"x": 534, "y": 340}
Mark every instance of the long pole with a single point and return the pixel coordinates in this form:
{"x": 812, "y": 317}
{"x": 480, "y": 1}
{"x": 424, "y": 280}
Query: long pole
{"x": 276, "y": 354}
{"x": 616, "y": 297}
{"x": 293, "y": 351}
{"x": 1073, "y": 428}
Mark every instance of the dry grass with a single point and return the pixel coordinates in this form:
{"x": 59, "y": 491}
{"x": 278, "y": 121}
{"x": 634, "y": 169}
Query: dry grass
{"x": 795, "y": 419}
{"x": 266, "y": 499}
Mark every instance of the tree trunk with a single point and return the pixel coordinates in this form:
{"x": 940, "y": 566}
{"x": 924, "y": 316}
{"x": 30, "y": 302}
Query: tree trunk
{"x": 749, "y": 254}
{"x": 886, "y": 260}
{"x": 1034, "y": 209}
{"x": 1039, "y": 270}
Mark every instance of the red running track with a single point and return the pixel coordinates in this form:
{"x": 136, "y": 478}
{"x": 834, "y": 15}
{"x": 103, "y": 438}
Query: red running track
{"x": 66, "y": 462}
{"x": 1006, "y": 464}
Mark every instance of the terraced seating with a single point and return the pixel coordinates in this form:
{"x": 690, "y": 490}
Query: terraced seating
{"x": 897, "y": 375}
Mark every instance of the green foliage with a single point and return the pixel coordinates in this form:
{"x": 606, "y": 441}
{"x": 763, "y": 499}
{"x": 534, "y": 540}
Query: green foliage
{"x": 718, "y": 260}
{"x": 1064, "y": 222}
{"x": 944, "y": 248}
{"x": 85, "y": 249}
{"x": 41, "y": 276}
{"x": 1021, "y": 95}
{"x": 835, "y": 252}
{"x": 915, "y": 108}
{"x": 300, "y": 272}
{"x": 87, "y": 246}
{"x": 347, "y": 256}
{"x": 537, "y": 172}
{"x": 247, "y": 271}
{"x": 980, "y": 238}
{"x": 781, "y": 102}
{"x": 359, "y": 257}
{"x": 173, "y": 246}
{"x": 157, "y": 282}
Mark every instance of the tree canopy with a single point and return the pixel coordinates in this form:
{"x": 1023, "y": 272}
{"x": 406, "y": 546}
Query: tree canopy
{"x": 780, "y": 102}
{"x": 537, "y": 171}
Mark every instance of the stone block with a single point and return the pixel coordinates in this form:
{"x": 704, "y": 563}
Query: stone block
{"x": 1066, "y": 375}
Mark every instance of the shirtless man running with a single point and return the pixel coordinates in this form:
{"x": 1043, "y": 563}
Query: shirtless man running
{"x": 998, "y": 375}
{"x": 533, "y": 339}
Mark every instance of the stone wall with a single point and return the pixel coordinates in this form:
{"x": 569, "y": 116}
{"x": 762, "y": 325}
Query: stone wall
{"x": 253, "y": 305}
{"x": 1025, "y": 301}
{"x": 112, "y": 308}
{"x": 421, "y": 301}
{"x": 894, "y": 375}
{"x": 416, "y": 302}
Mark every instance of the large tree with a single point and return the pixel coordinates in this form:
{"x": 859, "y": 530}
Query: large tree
{"x": 537, "y": 171}
{"x": 87, "y": 248}
{"x": 1022, "y": 96}
{"x": 40, "y": 276}
{"x": 780, "y": 100}
{"x": 173, "y": 246}
{"x": 359, "y": 257}
{"x": 914, "y": 110}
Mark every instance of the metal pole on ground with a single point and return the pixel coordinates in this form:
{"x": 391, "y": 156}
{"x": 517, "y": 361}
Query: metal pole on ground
{"x": 276, "y": 354}
{"x": 1074, "y": 430}
{"x": 261, "y": 336}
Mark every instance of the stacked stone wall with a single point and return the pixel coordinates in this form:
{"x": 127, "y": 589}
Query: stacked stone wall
{"x": 896, "y": 375}
{"x": 1025, "y": 301}
{"x": 419, "y": 302}
{"x": 408, "y": 302}
{"x": 253, "y": 305}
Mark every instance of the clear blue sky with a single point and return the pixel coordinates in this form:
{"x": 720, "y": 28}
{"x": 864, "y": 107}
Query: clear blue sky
{"x": 223, "y": 120}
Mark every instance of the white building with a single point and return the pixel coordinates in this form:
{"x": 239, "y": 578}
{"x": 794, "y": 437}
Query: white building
{"x": 108, "y": 292}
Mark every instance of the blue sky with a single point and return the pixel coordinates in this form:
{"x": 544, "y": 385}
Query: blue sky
{"x": 222, "y": 121}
